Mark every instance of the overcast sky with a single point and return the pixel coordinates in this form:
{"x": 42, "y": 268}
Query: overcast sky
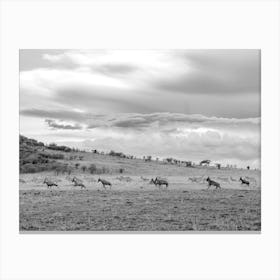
{"x": 187, "y": 104}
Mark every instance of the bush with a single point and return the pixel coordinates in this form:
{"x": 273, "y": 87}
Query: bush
{"x": 117, "y": 154}
{"x": 51, "y": 156}
{"x": 29, "y": 168}
{"x": 84, "y": 168}
{"x": 56, "y": 156}
{"x": 63, "y": 168}
{"x": 53, "y": 146}
{"x": 103, "y": 170}
{"x": 92, "y": 169}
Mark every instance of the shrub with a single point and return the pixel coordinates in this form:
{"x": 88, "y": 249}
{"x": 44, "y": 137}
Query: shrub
{"x": 29, "y": 168}
{"x": 92, "y": 168}
{"x": 117, "y": 154}
{"x": 95, "y": 170}
{"x": 53, "y": 146}
{"x": 103, "y": 170}
{"x": 84, "y": 168}
{"x": 56, "y": 168}
{"x": 51, "y": 156}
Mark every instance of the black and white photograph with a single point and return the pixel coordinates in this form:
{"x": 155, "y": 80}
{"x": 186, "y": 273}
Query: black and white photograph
{"x": 138, "y": 140}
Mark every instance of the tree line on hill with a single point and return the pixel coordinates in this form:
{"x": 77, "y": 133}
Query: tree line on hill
{"x": 35, "y": 156}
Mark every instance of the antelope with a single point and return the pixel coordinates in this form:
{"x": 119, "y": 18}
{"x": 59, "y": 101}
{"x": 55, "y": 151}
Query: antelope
{"x": 49, "y": 183}
{"x": 78, "y": 182}
{"x": 159, "y": 182}
{"x": 243, "y": 181}
{"x": 213, "y": 183}
{"x": 104, "y": 183}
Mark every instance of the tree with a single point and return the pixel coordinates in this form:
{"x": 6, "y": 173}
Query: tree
{"x": 205, "y": 161}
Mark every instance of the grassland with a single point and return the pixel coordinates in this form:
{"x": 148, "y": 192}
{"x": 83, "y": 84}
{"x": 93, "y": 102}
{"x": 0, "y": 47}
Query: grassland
{"x": 135, "y": 205}
{"x": 148, "y": 210}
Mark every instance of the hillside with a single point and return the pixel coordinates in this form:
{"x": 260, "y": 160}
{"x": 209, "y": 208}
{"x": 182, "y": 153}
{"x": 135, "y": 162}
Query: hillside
{"x": 37, "y": 157}
{"x": 132, "y": 202}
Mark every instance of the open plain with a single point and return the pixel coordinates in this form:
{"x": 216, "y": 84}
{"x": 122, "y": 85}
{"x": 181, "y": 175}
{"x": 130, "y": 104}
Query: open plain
{"x": 134, "y": 204}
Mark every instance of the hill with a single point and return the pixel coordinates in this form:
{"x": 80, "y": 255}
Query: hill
{"x": 132, "y": 203}
{"x": 37, "y": 157}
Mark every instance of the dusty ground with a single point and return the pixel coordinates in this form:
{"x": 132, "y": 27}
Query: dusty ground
{"x": 135, "y": 205}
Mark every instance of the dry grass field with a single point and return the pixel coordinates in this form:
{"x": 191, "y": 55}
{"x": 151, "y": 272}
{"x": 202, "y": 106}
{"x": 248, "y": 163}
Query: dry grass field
{"x": 133, "y": 204}
{"x": 149, "y": 210}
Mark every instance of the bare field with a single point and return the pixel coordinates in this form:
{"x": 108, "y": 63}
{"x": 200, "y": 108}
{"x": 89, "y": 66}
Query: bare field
{"x": 135, "y": 205}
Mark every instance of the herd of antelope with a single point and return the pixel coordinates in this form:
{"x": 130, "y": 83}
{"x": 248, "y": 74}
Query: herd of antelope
{"x": 158, "y": 182}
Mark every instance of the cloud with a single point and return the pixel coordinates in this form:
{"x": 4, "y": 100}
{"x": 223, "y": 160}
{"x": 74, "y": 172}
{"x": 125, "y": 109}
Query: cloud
{"x": 54, "y": 114}
{"x": 147, "y": 81}
{"x": 217, "y": 72}
{"x": 182, "y": 136}
{"x": 115, "y": 69}
{"x": 193, "y": 146}
{"x": 103, "y": 99}
{"x": 186, "y": 104}
{"x": 163, "y": 121}
{"x": 55, "y": 125}
{"x": 96, "y": 61}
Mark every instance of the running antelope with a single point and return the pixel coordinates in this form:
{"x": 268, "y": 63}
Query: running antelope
{"x": 212, "y": 183}
{"x": 243, "y": 181}
{"x": 104, "y": 183}
{"x": 78, "y": 182}
{"x": 49, "y": 183}
{"x": 159, "y": 182}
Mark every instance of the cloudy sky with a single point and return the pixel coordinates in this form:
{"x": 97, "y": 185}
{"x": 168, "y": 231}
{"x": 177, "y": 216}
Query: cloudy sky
{"x": 187, "y": 104}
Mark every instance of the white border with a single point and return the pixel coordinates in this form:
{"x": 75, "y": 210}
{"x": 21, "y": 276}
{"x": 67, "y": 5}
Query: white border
{"x": 139, "y": 25}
